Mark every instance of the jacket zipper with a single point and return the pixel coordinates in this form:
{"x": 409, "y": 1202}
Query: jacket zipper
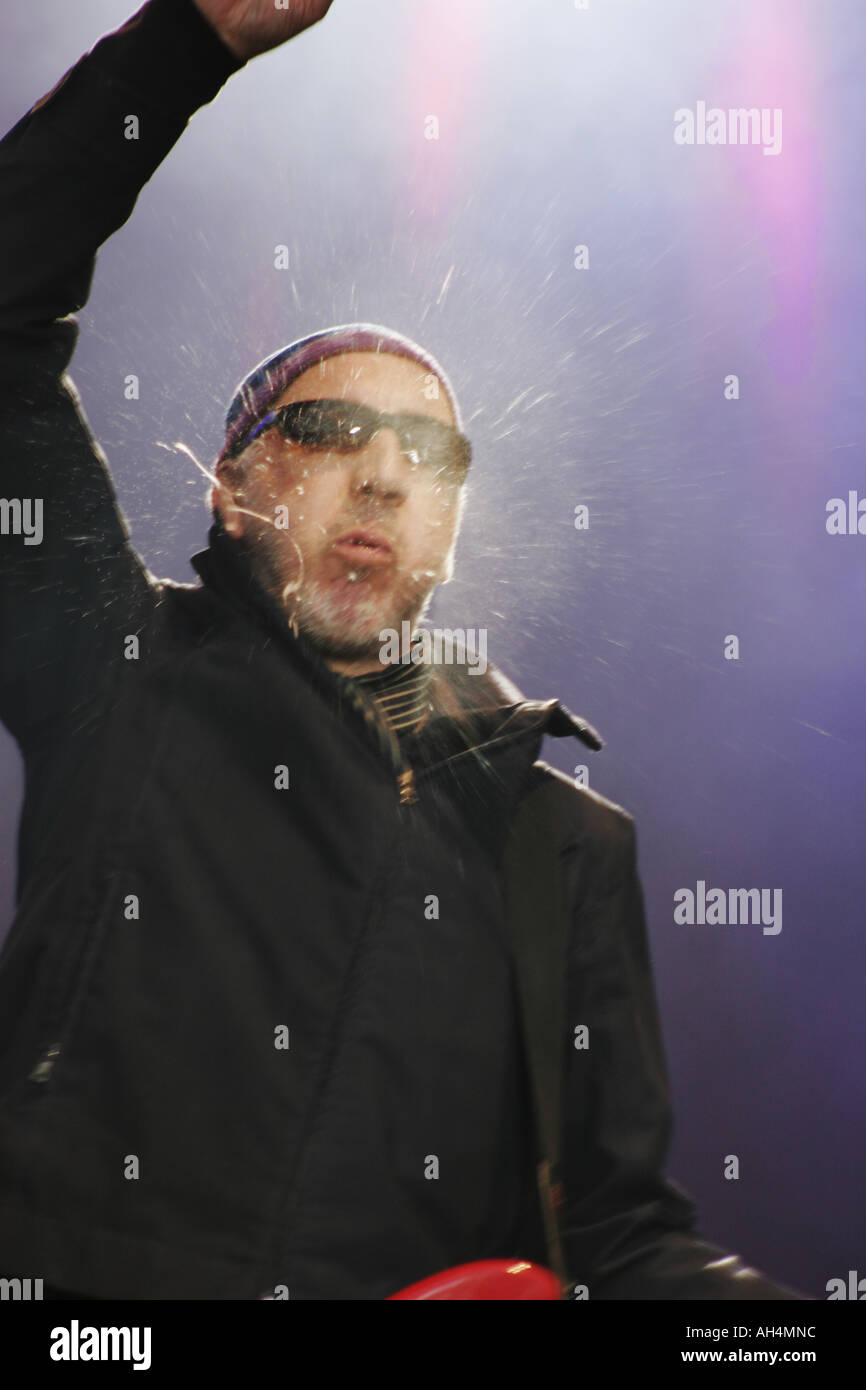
{"x": 406, "y": 783}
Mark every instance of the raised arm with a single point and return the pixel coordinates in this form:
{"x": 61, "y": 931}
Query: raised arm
{"x": 71, "y": 585}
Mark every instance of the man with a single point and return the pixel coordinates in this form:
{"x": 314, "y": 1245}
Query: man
{"x": 258, "y": 1020}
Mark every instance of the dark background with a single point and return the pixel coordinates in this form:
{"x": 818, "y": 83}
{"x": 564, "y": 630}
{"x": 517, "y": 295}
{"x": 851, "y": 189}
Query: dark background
{"x": 603, "y": 387}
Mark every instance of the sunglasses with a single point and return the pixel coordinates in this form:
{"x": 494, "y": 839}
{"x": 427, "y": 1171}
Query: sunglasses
{"x": 344, "y": 427}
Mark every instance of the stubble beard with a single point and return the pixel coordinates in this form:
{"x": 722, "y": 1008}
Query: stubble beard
{"x": 345, "y": 619}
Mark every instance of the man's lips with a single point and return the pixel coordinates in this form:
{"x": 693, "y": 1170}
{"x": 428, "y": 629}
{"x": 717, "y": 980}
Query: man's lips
{"x": 364, "y": 547}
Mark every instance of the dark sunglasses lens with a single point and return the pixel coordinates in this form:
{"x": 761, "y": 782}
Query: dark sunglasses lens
{"x": 325, "y": 425}
{"x": 436, "y": 446}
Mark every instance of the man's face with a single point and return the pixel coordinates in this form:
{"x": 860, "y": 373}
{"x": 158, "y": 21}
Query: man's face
{"x": 327, "y": 590}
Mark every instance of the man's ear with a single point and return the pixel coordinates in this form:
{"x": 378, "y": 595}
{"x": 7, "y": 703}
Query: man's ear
{"x": 226, "y": 493}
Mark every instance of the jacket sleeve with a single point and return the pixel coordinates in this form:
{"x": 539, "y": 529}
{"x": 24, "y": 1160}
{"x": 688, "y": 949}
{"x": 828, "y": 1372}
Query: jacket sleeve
{"x": 71, "y": 585}
{"x": 628, "y": 1233}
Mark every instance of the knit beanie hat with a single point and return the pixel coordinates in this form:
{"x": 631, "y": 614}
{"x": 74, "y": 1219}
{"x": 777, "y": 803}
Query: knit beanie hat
{"x": 269, "y": 379}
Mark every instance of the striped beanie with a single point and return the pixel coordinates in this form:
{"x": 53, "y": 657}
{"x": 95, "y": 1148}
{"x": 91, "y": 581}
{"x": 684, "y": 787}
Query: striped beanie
{"x": 269, "y": 379}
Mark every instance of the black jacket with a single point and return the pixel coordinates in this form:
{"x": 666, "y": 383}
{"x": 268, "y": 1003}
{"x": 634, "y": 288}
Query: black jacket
{"x": 237, "y": 1047}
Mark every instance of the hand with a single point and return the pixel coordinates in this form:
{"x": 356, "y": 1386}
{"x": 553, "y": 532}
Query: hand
{"x": 249, "y": 27}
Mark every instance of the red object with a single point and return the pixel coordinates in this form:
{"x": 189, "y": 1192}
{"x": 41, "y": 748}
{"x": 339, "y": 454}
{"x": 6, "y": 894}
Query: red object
{"x": 486, "y": 1279}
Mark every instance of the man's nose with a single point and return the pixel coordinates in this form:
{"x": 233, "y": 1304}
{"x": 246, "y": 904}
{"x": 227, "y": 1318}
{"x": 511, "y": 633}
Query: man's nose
{"x": 382, "y": 466}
